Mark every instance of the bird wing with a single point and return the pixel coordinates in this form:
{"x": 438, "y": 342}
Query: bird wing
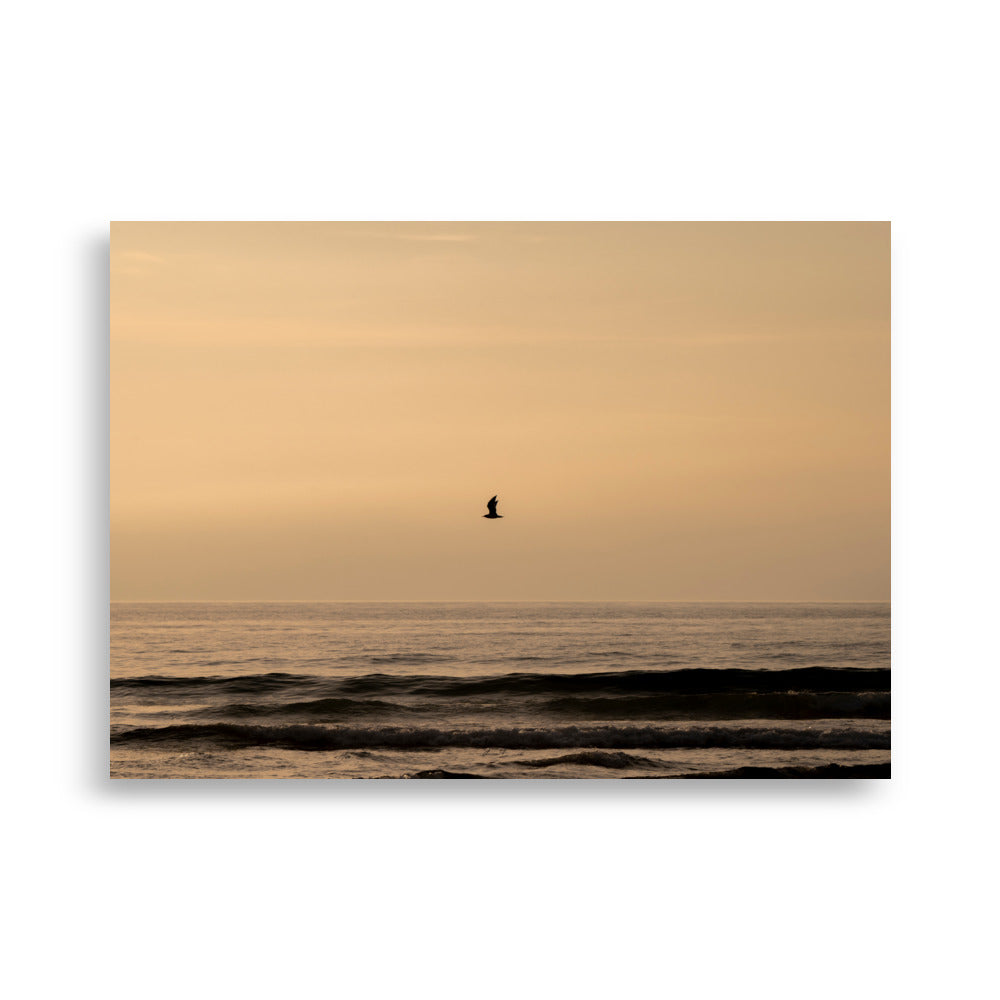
{"x": 491, "y": 506}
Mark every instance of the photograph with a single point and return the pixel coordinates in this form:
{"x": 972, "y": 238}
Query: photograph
{"x": 684, "y": 427}
{"x": 501, "y": 505}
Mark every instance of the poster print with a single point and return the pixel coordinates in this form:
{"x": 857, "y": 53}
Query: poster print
{"x": 500, "y": 500}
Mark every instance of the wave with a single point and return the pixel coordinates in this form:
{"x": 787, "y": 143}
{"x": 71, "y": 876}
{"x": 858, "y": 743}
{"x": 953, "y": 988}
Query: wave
{"x": 802, "y": 771}
{"x": 246, "y": 683}
{"x": 689, "y": 680}
{"x": 407, "y": 658}
{"x": 686, "y": 681}
{"x": 660, "y": 708}
{"x": 616, "y": 760}
{"x": 321, "y": 707}
{"x": 623, "y": 761}
{"x": 730, "y": 705}
{"x": 721, "y": 706}
{"x": 315, "y": 738}
{"x": 438, "y": 773}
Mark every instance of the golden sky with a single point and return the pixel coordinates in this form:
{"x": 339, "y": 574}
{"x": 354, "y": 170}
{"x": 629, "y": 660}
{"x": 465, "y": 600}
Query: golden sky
{"x": 667, "y": 411}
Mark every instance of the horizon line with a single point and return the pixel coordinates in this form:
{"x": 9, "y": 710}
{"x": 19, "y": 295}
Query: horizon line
{"x": 354, "y": 600}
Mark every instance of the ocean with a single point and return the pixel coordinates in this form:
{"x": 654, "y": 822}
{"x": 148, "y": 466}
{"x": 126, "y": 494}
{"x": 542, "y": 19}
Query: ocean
{"x": 500, "y": 690}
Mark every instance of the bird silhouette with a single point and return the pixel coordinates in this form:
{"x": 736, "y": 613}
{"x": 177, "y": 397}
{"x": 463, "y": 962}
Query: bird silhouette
{"x": 492, "y": 508}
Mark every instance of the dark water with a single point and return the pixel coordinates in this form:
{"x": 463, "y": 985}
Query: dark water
{"x": 500, "y": 690}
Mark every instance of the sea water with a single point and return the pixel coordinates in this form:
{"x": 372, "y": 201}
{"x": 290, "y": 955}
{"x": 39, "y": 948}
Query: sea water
{"x": 500, "y": 690}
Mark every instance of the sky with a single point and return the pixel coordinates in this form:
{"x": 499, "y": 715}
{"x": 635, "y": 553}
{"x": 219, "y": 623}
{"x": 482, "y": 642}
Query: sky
{"x": 666, "y": 411}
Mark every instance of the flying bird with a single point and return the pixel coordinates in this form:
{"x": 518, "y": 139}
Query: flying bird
{"x": 492, "y": 508}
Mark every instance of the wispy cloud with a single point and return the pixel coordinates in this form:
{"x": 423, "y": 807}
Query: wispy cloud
{"x": 379, "y": 231}
{"x": 429, "y": 237}
{"x": 135, "y": 262}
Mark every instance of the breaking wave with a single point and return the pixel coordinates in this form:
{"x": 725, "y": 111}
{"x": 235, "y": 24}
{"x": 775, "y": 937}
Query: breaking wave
{"x": 688, "y": 680}
{"x": 731, "y": 705}
{"x": 616, "y": 760}
{"x": 802, "y": 771}
{"x": 317, "y": 738}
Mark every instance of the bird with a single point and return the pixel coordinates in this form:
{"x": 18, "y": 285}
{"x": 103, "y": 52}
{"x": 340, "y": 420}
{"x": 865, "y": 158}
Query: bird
{"x": 492, "y": 508}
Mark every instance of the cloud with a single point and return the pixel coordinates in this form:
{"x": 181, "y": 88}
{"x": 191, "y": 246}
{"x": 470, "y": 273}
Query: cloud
{"x": 135, "y": 262}
{"x": 430, "y": 238}
{"x": 373, "y": 233}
